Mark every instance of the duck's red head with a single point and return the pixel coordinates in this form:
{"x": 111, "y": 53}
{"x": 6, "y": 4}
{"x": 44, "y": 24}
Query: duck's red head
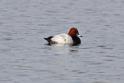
{"x": 73, "y": 32}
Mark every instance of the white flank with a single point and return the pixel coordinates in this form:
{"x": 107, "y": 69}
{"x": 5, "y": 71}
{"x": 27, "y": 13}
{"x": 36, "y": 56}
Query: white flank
{"x": 62, "y": 39}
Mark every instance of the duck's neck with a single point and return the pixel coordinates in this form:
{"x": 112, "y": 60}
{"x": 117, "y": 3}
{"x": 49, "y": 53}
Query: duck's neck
{"x": 76, "y": 40}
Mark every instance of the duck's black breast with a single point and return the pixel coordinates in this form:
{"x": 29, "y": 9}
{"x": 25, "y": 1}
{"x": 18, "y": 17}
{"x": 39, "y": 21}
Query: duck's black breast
{"x": 76, "y": 40}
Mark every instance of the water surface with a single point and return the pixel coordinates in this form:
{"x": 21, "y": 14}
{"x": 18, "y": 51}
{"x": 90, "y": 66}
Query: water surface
{"x": 25, "y": 57}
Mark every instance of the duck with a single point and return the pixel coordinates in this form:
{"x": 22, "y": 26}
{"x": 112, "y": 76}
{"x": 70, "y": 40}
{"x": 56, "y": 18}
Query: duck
{"x": 71, "y": 38}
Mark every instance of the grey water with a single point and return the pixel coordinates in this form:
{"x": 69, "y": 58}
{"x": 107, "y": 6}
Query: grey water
{"x": 25, "y": 57}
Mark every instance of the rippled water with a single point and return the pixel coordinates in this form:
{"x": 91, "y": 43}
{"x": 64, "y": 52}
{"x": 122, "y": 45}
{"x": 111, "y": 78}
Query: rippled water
{"x": 25, "y": 57}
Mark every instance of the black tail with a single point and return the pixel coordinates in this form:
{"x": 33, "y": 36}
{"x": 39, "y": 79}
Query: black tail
{"x": 49, "y": 39}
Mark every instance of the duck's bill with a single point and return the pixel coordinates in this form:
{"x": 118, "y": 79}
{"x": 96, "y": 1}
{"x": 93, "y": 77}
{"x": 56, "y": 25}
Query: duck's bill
{"x": 80, "y": 36}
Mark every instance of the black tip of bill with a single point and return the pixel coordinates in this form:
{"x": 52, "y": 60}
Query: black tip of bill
{"x": 80, "y": 36}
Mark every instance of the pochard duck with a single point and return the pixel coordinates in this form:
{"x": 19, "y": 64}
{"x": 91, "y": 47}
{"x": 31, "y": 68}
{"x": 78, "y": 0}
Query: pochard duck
{"x": 71, "y": 38}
